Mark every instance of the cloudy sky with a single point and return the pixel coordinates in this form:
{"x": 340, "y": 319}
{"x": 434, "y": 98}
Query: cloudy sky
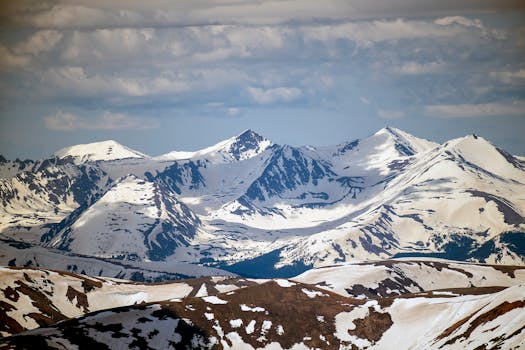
{"x": 161, "y": 75}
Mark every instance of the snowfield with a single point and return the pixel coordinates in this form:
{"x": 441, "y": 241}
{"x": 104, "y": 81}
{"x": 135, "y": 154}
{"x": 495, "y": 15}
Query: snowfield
{"x": 269, "y": 314}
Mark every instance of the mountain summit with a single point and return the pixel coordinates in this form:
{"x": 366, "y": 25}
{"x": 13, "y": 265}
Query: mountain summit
{"x": 98, "y": 151}
{"x": 246, "y": 145}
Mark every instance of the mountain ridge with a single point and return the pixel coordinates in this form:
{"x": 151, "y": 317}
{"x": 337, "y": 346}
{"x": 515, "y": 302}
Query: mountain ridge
{"x": 249, "y": 199}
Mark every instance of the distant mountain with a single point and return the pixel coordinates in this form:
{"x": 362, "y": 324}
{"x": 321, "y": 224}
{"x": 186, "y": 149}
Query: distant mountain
{"x": 261, "y": 209}
{"x": 134, "y": 220}
{"x": 98, "y": 151}
{"x": 43, "y": 193}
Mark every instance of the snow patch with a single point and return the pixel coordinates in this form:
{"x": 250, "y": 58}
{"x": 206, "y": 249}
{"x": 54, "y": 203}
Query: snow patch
{"x": 250, "y": 327}
{"x": 245, "y": 307}
{"x": 214, "y": 300}
{"x": 313, "y": 293}
{"x": 236, "y": 323}
{"x": 284, "y": 283}
{"x": 202, "y": 292}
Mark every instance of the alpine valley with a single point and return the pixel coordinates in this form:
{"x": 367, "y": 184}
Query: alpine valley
{"x": 390, "y": 241}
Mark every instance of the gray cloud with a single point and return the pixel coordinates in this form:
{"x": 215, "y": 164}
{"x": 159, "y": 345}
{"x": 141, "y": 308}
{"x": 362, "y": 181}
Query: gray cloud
{"x": 495, "y": 109}
{"x": 274, "y": 95}
{"x": 68, "y": 14}
{"x": 64, "y": 121}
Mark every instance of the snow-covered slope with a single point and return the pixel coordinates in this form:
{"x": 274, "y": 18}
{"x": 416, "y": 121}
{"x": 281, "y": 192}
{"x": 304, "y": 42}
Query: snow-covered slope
{"x": 277, "y": 314}
{"x": 39, "y": 297}
{"x": 134, "y": 220}
{"x": 16, "y": 253}
{"x": 98, "y": 151}
{"x": 44, "y": 194}
{"x": 10, "y": 168}
{"x": 390, "y": 278}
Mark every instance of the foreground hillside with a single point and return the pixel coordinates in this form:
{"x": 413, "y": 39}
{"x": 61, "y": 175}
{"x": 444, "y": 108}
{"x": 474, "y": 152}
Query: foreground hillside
{"x": 259, "y": 209}
{"x": 421, "y": 304}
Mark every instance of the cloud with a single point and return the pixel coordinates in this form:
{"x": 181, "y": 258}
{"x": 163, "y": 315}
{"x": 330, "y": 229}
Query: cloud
{"x": 469, "y": 22}
{"x": 446, "y": 21}
{"x": 75, "y": 81}
{"x": 268, "y": 96}
{"x": 390, "y": 114}
{"x": 89, "y": 14}
{"x": 510, "y": 77}
{"x": 184, "y": 53}
{"x": 41, "y": 41}
{"x": 233, "y": 111}
{"x": 414, "y": 68}
{"x": 64, "y": 121}
{"x": 496, "y": 109}
{"x": 369, "y": 32}
{"x": 10, "y": 60}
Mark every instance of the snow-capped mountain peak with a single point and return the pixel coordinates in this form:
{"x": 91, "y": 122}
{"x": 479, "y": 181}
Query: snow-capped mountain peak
{"x": 405, "y": 143}
{"x": 97, "y": 151}
{"x": 481, "y": 153}
{"x": 244, "y": 146}
{"x": 247, "y": 145}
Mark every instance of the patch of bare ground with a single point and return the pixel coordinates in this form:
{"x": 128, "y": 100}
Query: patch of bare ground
{"x": 373, "y": 326}
{"x": 291, "y": 308}
{"x": 40, "y": 301}
{"x": 82, "y": 300}
{"x": 7, "y": 324}
{"x": 397, "y": 285}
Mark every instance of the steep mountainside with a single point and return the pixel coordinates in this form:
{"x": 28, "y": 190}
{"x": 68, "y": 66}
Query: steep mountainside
{"x": 43, "y": 194}
{"x": 246, "y": 202}
{"x": 134, "y": 220}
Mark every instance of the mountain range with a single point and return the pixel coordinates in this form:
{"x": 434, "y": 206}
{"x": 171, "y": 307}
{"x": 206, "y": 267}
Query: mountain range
{"x": 255, "y": 208}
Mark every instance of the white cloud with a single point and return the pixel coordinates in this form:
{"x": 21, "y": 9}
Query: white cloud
{"x": 370, "y": 32}
{"x": 467, "y": 22}
{"x": 515, "y": 108}
{"x": 64, "y": 121}
{"x": 233, "y": 111}
{"x": 510, "y": 77}
{"x": 268, "y": 96}
{"x": 390, "y": 114}
{"x": 74, "y": 81}
{"x": 414, "y": 68}
{"x": 109, "y": 45}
